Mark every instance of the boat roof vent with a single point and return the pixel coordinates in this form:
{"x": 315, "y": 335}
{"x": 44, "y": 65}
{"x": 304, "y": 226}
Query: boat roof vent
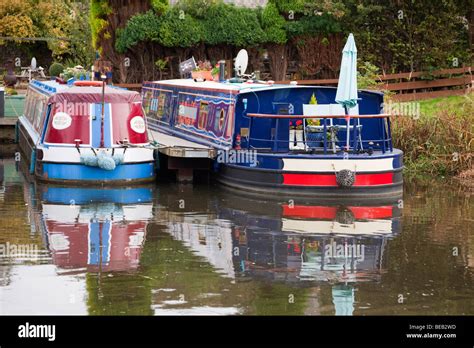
{"x": 43, "y": 86}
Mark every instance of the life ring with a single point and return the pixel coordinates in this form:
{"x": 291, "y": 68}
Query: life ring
{"x": 88, "y": 83}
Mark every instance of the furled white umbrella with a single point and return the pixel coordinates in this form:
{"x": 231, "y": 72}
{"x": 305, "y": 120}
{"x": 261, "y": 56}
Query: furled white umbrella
{"x": 346, "y": 94}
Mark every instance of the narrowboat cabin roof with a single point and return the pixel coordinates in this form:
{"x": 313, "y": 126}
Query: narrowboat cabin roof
{"x": 235, "y": 87}
{"x": 60, "y": 92}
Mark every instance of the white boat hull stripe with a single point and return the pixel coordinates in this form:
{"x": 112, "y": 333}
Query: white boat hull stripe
{"x": 331, "y": 165}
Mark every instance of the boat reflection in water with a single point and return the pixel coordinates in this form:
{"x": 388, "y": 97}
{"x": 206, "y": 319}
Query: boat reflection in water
{"x": 297, "y": 243}
{"x": 92, "y": 229}
{"x": 184, "y": 250}
{"x": 313, "y": 242}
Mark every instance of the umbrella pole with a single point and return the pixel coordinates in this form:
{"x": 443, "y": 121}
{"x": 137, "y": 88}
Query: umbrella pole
{"x": 103, "y": 78}
{"x": 348, "y": 119}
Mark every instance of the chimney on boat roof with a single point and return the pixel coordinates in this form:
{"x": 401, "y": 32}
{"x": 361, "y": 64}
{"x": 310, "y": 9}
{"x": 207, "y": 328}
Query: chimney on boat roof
{"x": 221, "y": 70}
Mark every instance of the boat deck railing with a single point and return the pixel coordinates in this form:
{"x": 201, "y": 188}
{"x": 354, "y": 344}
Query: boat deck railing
{"x": 328, "y": 130}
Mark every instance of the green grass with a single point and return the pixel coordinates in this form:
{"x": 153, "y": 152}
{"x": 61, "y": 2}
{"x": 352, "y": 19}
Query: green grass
{"x": 457, "y": 104}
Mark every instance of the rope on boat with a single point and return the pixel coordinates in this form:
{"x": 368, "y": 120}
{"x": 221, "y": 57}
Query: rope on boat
{"x": 107, "y": 161}
{"x": 103, "y": 159}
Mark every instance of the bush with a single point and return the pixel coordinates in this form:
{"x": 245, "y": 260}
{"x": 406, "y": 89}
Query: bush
{"x": 179, "y": 30}
{"x": 273, "y": 25}
{"x": 160, "y": 6}
{"x": 285, "y": 6}
{"x": 231, "y": 25}
{"x": 213, "y": 22}
{"x": 55, "y": 69}
{"x": 313, "y": 24}
{"x": 141, "y": 27}
{"x": 196, "y": 8}
{"x": 440, "y": 143}
{"x": 368, "y": 77}
{"x": 10, "y": 91}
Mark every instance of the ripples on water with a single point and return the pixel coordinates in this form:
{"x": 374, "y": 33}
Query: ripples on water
{"x": 181, "y": 250}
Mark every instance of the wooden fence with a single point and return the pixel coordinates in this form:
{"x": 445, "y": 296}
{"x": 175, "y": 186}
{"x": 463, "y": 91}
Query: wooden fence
{"x": 417, "y": 85}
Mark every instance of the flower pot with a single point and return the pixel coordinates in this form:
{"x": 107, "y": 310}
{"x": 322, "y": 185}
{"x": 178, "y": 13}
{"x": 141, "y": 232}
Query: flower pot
{"x": 299, "y": 139}
{"x": 315, "y": 139}
{"x": 202, "y": 75}
{"x": 296, "y": 139}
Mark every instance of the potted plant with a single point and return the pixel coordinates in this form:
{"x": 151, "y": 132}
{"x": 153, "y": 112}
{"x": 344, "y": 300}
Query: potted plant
{"x": 78, "y": 73}
{"x": 314, "y": 134}
{"x": 203, "y": 71}
{"x": 215, "y": 72}
{"x": 296, "y": 135}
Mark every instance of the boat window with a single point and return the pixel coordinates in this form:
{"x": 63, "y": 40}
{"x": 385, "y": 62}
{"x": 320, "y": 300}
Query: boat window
{"x": 203, "y": 113}
{"x": 40, "y": 107}
{"x": 148, "y": 104}
{"x": 27, "y": 106}
{"x": 161, "y": 106}
{"x": 219, "y": 119}
{"x": 187, "y": 111}
{"x": 128, "y": 123}
{"x": 66, "y": 127}
{"x": 31, "y": 106}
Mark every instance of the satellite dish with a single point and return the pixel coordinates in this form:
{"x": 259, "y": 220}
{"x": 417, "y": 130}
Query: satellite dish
{"x": 241, "y": 62}
{"x": 33, "y": 63}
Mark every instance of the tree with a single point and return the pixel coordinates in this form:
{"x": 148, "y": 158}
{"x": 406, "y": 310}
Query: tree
{"x": 403, "y": 35}
{"x": 64, "y": 23}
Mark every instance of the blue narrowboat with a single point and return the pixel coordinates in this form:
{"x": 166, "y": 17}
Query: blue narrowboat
{"x": 282, "y": 139}
{"x": 85, "y": 132}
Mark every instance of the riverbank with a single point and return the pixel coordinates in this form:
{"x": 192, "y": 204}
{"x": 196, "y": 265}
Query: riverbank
{"x": 438, "y": 140}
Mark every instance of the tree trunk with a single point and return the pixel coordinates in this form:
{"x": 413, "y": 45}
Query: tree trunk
{"x": 278, "y": 55}
{"x": 122, "y": 10}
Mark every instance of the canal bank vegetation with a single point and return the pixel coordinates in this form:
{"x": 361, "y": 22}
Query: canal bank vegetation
{"x": 439, "y": 141}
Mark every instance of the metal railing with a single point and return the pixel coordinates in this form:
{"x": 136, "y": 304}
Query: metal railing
{"x": 356, "y": 145}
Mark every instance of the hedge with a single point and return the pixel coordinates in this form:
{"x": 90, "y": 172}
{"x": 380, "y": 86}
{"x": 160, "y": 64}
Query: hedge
{"x": 213, "y": 22}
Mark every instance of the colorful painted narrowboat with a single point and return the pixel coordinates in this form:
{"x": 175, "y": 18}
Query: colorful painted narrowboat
{"x": 85, "y": 133}
{"x": 282, "y": 139}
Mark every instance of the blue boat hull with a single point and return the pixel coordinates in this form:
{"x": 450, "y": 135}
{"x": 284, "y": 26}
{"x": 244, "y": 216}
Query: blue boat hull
{"x": 377, "y": 176}
{"x": 62, "y": 172}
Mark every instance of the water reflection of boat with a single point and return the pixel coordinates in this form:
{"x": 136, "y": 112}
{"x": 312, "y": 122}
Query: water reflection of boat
{"x": 296, "y": 241}
{"x": 95, "y": 229}
{"x": 310, "y": 241}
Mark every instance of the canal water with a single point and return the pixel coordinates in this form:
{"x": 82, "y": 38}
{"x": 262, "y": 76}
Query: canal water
{"x": 167, "y": 249}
